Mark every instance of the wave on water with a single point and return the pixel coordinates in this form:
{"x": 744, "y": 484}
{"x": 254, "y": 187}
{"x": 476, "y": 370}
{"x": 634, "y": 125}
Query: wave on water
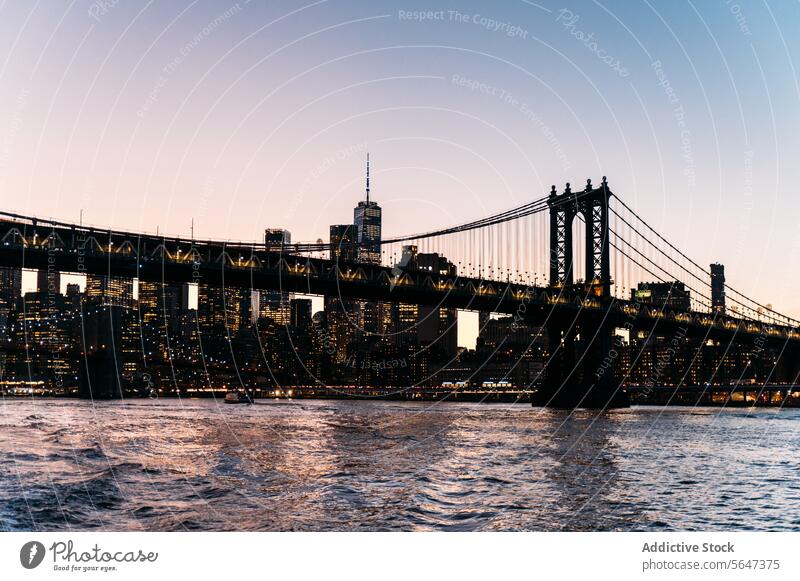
{"x": 351, "y": 466}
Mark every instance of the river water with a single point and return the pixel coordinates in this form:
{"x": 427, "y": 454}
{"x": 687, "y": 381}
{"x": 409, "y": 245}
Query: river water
{"x": 163, "y": 465}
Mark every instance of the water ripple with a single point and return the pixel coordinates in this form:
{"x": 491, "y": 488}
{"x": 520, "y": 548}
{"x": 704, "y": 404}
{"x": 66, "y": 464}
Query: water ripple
{"x": 371, "y": 466}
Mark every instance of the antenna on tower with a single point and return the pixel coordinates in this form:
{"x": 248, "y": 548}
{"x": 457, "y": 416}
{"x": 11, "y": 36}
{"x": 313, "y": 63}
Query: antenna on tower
{"x": 368, "y": 177}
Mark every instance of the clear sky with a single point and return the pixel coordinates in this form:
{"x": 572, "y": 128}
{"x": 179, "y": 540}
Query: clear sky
{"x": 258, "y": 114}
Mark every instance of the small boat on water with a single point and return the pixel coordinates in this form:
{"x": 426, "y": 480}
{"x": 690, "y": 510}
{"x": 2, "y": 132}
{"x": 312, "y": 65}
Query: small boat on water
{"x": 237, "y": 397}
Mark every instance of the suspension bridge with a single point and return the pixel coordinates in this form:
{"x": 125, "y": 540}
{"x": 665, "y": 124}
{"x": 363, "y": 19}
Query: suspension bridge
{"x": 570, "y": 262}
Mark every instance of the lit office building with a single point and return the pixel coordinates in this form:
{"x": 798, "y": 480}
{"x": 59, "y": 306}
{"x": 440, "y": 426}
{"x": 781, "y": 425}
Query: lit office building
{"x": 341, "y": 321}
{"x": 275, "y": 304}
{"x": 109, "y": 290}
{"x": 404, "y": 316}
{"x": 341, "y": 315}
{"x": 159, "y": 301}
{"x": 343, "y": 243}
{"x": 511, "y": 333}
{"x": 301, "y": 313}
{"x": 45, "y": 332}
{"x": 424, "y": 324}
{"x": 221, "y": 310}
{"x": 10, "y": 290}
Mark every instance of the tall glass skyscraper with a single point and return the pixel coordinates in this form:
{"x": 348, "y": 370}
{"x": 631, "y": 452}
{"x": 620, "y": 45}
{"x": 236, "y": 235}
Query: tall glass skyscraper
{"x": 367, "y": 219}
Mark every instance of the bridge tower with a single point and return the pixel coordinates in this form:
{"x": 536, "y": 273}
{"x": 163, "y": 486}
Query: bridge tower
{"x": 581, "y": 370}
{"x": 592, "y": 205}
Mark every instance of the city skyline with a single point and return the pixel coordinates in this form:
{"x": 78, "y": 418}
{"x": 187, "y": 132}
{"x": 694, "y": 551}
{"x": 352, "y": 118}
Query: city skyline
{"x": 389, "y": 320}
{"x": 363, "y": 238}
{"x": 367, "y": 235}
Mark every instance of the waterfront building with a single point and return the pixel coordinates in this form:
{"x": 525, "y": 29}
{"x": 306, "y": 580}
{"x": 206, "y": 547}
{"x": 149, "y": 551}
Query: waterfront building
{"x": 341, "y": 322}
{"x": 44, "y": 333}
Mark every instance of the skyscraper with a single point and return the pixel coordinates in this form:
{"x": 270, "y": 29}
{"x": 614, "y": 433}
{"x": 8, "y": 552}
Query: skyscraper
{"x": 160, "y": 308}
{"x": 438, "y": 325}
{"x": 45, "y": 331}
{"x": 340, "y": 313}
{"x": 160, "y": 301}
{"x": 222, "y": 310}
{"x": 422, "y": 324}
{"x": 48, "y": 281}
{"x": 367, "y": 220}
{"x": 663, "y": 295}
{"x": 718, "y": 288}
{"x": 343, "y": 242}
{"x": 73, "y": 297}
{"x": 109, "y": 290}
{"x": 275, "y": 304}
{"x": 404, "y": 316}
{"x": 341, "y": 322}
{"x": 10, "y": 289}
{"x": 301, "y": 313}
{"x": 367, "y": 217}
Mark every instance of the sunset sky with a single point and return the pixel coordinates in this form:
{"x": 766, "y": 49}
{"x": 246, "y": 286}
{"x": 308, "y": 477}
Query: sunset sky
{"x": 248, "y": 115}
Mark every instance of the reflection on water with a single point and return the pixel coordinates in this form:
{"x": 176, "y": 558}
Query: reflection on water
{"x": 346, "y": 465}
